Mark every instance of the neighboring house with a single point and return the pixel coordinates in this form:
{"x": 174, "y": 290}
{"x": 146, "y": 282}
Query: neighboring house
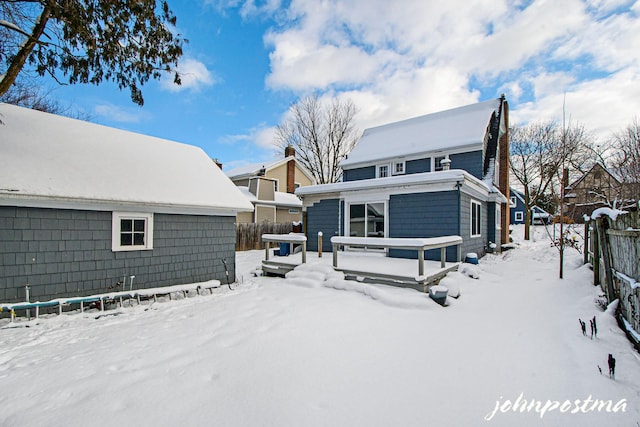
{"x": 429, "y": 176}
{"x": 270, "y": 187}
{"x": 83, "y": 205}
{"x": 597, "y": 188}
{"x": 517, "y": 210}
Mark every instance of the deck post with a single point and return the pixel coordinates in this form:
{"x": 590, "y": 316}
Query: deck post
{"x": 421, "y": 262}
{"x": 335, "y": 255}
{"x": 304, "y": 252}
{"x": 443, "y": 257}
{"x": 266, "y": 251}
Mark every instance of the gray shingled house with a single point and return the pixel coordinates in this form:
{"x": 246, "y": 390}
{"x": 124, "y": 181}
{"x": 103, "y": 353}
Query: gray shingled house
{"x": 83, "y": 205}
{"x": 435, "y": 175}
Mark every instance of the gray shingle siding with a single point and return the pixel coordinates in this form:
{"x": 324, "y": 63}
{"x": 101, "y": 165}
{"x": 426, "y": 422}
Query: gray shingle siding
{"x": 68, "y": 252}
{"x": 323, "y": 216}
{"x": 424, "y": 215}
{"x": 470, "y": 162}
{"x": 472, "y": 244}
{"x": 357, "y": 174}
{"x": 418, "y": 166}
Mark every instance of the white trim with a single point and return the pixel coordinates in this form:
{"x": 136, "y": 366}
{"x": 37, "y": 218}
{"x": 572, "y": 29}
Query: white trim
{"x": 383, "y": 165}
{"x": 394, "y": 167}
{"x": 110, "y": 206}
{"x": 347, "y": 214}
{"x": 116, "y": 217}
{"x": 478, "y": 219}
{"x": 519, "y": 214}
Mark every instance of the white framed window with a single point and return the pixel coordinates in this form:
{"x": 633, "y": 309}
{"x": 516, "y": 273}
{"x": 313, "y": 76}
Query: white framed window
{"x": 398, "y": 168}
{"x": 131, "y": 231}
{"x": 476, "y": 212}
{"x": 513, "y": 201}
{"x": 383, "y": 171}
{"x": 367, "y": 219}
{"x": 519, "y": 216}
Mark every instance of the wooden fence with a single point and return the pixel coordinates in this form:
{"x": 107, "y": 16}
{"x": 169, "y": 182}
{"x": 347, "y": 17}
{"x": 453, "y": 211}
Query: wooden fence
{"x": 249, "y": 235}
{"x": 614, "y": 252}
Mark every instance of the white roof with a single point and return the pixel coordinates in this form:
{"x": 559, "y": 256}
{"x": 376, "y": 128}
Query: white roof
{"x": 459, "y": 127}
{"x": 49, "y": 160}
{"x": 281, "y": 198}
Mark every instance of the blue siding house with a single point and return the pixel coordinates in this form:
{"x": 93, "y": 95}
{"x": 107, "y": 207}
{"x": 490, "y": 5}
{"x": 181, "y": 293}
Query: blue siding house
{"x": 429, "y": 176}
{"x": 517, "y": 210}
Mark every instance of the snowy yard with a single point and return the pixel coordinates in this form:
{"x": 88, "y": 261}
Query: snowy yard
{"x": 317, "y": 351}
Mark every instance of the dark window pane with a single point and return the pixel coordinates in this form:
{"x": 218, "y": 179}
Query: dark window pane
{"x": 126, "y": 225}
{"x": 126, "y": 239}
{"x": 138, "y": 225}
{"x": 138, "y": 239}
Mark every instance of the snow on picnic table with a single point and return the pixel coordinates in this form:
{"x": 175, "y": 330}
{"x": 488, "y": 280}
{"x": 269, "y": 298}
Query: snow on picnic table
{"x": 275, "y": 353}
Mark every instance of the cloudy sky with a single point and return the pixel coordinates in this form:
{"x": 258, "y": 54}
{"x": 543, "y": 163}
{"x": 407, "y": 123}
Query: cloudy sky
{"x": 247, "y": 61}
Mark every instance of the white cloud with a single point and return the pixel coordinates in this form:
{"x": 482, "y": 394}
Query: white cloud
{"x": 262, "y": 135}
{"x": 402, "y": 60}
{"x": 193, "y": 74}
{"x": 115, "y": 113}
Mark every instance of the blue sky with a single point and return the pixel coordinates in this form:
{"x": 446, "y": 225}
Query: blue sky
{"x": 247, "y": 61}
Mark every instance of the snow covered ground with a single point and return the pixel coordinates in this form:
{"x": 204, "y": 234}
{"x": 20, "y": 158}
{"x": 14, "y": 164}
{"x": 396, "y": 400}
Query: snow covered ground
{"x": 314, "y": 350}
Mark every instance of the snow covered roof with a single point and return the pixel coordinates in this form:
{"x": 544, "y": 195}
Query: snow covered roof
{"x": 280, "y": 198}
{"x": 459, "y": 127}
{"x": 53, "y": 161}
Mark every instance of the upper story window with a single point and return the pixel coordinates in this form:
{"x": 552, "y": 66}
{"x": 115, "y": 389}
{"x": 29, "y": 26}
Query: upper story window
{"x": 131, "y": 231}
{"x": 383, "y": 171}
{"x": 513, "y": 201}
{"x": 399, "y": 168}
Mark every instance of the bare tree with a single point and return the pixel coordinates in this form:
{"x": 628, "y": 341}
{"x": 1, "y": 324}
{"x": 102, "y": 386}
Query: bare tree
{"x": 322, "y": 133}
{"x": 539, "y": 153}
{"x": 626, "y": 159}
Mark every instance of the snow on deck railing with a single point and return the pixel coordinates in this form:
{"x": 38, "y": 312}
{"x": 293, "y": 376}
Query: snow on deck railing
{"x": 290, "y": 238}
{"x": 417, "y": 244}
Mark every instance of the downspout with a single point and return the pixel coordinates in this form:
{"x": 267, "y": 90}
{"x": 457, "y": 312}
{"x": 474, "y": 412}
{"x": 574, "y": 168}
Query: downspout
{"x": 458, "y": 189}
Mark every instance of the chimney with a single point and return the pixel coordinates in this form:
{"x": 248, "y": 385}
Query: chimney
{"x": 503, "y": 177}
{"x": 289, "y": 151}
{"x": 446, "y": 163}
{"x": 217, "y": 162}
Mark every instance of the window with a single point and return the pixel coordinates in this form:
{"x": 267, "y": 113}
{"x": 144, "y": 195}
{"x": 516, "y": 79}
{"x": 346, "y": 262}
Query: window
{"x": 475, "y": 218}
{"x": 519, "y": 216}
{"x": 438, "y": 163}
{"x": 398, "y": 168}
{"x": 275, "y": 185}
{"x": 498, "y": 217}
{"x": 294, "y": 211}
{"x": 367, "y": 220}
{"x": 513, "y": 201}
{"x": 383, "y": 171}
{"x": 131, "y": 231}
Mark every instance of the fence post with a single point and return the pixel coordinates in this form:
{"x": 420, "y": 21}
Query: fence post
{"x": 596, "y": 255}
{"x": 604, "y": 247}
{"x": 319, "y": 244}
{"x": 586, "y": 242}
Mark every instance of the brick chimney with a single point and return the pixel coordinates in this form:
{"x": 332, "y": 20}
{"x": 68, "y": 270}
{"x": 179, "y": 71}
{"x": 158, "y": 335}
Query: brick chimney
{"x": 503, "y": 176}
{"x": 290, "y": 152}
